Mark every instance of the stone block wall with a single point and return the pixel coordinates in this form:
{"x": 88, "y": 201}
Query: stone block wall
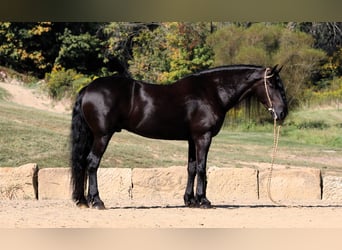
{"x": 225, "y": 185}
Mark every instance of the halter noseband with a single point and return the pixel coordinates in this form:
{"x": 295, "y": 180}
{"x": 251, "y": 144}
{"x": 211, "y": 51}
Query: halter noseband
{"x": 271, "y": 109}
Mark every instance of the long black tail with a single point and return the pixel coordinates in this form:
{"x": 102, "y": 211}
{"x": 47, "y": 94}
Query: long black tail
{"x": 81, "y": 142}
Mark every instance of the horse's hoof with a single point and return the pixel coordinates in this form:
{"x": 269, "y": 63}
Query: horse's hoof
{"x": 189, "y": 200}
{"x": 191, "y": 203}
{"x": 98, "y": 205}
{"x": 205, "y": 203}
{"x": 81, "y": 204}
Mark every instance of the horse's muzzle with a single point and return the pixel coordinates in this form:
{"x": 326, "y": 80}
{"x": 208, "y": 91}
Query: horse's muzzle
{"x": 278, "y": 115}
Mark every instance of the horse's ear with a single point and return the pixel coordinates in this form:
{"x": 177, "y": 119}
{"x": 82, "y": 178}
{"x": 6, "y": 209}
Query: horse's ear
{"x": 280, "y": 68}
{"x": 274, "y": 69}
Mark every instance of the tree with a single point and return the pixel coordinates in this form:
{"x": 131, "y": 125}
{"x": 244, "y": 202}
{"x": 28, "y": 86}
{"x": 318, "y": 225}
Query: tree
{"x": 226, "y": 43}
{"x": 149, "y": 55}
{"x": 170, "y": 51}
{"x": 26, "y": 46}
{"x": 268, "y": 45}
{"x": 34, "y": 48}
{"x": 80, "y": 52}
{"x": 301, "y": 60}
{"x": 119, "y": 39}
{"x": 327, "y": 35}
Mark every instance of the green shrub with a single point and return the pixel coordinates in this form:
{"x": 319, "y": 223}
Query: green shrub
{"x": 325, "y": 93}
{"x": 61, "y": 82}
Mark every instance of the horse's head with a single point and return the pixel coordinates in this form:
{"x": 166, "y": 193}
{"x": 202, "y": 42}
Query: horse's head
{"x": 270, "y": 92}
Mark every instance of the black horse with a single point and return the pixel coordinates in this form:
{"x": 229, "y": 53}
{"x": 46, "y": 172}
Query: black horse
{"x": 191, "y": 109}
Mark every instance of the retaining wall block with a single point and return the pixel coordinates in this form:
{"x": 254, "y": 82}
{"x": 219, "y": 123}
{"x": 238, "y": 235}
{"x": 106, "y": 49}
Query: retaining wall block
{"x": 232, "y": 184}
{"x": 291, "y": 184}
{"x": 159, "y": 184}
{"x": 332, "y": 188}
{"x": 54, "y": 184}
{"x": 19, "y": 182}
{"x": 113, "y": 183}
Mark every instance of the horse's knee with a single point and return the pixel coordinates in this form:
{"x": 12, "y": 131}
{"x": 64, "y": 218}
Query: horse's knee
{"x": 93, "y": 163}
{"x": 192, "y": 168}
{"x": 201, "y": 170}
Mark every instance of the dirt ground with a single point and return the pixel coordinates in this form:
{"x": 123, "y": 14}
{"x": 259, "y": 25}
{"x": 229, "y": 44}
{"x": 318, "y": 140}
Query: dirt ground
{"x": 64, "y": 214}
{"x": 33, "y": 98}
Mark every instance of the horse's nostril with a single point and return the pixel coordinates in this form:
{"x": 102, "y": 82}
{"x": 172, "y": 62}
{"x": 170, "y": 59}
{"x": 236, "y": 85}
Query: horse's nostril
{"x": 282, "y": 115}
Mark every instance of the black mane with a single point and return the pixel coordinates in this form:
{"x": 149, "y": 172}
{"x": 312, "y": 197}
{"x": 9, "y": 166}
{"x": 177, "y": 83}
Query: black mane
{"x": 228, "y": 67}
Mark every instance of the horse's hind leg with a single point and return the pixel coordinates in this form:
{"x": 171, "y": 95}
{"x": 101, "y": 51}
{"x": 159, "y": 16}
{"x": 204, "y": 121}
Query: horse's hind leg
{"x": 94, "y": 158}
{"x": 202, "y": 147}
{"x": 189, "y": 197}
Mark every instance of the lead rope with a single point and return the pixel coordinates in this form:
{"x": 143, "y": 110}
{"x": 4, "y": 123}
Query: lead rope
{"x": 276, "y": 133}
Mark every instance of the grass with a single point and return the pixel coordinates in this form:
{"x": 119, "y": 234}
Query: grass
{"x": 30, "y": 135}
{"x": 316, "y": 127}
{"x": 3, "y": 94}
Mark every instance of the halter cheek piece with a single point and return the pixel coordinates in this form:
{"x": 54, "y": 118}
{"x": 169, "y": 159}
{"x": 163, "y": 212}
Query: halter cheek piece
{"x": 271, "y": 109}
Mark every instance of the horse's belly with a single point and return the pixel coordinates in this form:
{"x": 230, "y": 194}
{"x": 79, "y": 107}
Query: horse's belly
{"x": 161, "y": 130}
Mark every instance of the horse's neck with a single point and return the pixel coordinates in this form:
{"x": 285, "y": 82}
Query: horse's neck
{"x": 231, "y": 93}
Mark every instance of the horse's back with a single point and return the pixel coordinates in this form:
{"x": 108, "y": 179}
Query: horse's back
{"x": 109, "y": 82}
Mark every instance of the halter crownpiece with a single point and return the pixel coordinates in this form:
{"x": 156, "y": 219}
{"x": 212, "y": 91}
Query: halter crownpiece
{"x": 271, "y": 109}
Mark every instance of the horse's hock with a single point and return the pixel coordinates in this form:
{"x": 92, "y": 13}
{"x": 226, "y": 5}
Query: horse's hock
{"x": 165, "y": 185}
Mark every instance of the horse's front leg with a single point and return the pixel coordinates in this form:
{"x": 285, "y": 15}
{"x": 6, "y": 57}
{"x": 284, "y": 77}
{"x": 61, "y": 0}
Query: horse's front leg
{"x": 202, "y": 147}
{"x": 94, "y": 159}
{"x": 189, "y": 197}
